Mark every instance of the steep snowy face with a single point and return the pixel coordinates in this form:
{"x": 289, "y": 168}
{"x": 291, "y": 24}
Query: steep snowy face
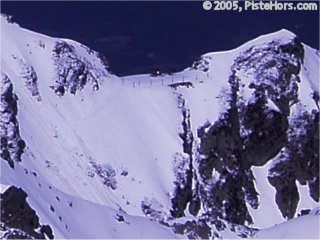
{"x": 84, "y": 138}
{"x": 220, "y": 149}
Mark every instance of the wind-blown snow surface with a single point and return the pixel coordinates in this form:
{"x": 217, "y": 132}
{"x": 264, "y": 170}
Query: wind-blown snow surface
{"x": 96, "y": 157}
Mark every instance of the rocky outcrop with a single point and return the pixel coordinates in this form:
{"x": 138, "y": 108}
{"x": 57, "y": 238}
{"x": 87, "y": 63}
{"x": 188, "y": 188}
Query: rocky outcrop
{"x": 193, "y": 229}
{"x": 225, "y": 182}
{"x": 201, "y": 64}
{"x": 274, "y": 69}
{"x": 12, "y": 145}
{"x": 298, "y": 161}
{"x": 18, "y": 219}
{"x": 184, "y": 170}
{"x": 106, "y": 173}
{"x": 74, "y": 72}
{"x": 257, "y": 123}
{"x": 29, "y": 75}
{"x": 203, "y": 228}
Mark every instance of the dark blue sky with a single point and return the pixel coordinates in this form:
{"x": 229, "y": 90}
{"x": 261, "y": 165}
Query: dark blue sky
{"x": 138, "y": 36}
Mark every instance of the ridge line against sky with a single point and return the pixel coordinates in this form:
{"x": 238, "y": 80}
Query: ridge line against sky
{"x": 137, "y": 37}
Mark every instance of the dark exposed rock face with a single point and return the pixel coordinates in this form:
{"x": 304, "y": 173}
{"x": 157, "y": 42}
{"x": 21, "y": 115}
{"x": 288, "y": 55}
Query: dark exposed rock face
{"x": 193, "y": 229}
{"x": 299, "y": 160}
{"x": 276, "y": 78}
{"x": 18, "y": 219}
{"x": 265, "y": 131}
{"x": 73, "y": 72}
{"x": 225, "y": 182}
{"x": 253, "y": 130}
{"x": 184, "y": 193}
{"x": 12, "y": 145}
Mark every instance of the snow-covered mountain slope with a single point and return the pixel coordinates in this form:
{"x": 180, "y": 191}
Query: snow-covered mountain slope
{"x": 223, "y": 148}
{"x": 303, "y": 227}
